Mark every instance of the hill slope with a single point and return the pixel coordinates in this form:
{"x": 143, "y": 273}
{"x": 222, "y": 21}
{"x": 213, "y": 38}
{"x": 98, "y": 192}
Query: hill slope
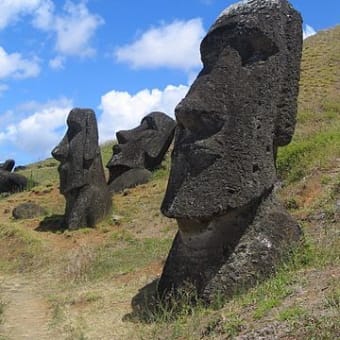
{"x": 320, "y": 69}
{"x": 79, "y": 285}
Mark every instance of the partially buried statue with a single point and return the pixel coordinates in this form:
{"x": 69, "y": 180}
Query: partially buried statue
{"x": 11, "y": 182}
{"x": 240, "y": 109}
{"x": 140, "y": 151}
{"x": 8, "y": 165}
{"x": 82, "y": 179}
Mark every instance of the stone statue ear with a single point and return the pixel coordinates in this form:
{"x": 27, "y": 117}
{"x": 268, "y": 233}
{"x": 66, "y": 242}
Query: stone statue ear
{"x": 91, "y": 136}
{"x": 286, "y": 102}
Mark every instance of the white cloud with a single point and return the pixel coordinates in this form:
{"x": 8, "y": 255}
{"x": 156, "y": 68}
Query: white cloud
{"x": 308, "y": 31}
{"x": 57, "y": 63}
{"x": 75, "y": 29}
{"x": 34, "y": 129}
{"x": 15, "y": 66}
{"x": 43, "y": 15}
{"x": 11, "y": 10}
{"x": 39, "y": 132}
{"x": 121, "y": 110}
{"x": 174, "y": 46}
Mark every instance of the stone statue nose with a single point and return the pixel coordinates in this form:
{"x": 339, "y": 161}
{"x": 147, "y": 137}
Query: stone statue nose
{"x": 56, "y": 153}
{"x": 60, "y": 152}
{"x": 187, "y": 113}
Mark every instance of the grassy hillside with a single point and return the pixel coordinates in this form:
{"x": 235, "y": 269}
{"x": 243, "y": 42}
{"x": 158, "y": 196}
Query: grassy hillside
{"x": 80, "y": 284}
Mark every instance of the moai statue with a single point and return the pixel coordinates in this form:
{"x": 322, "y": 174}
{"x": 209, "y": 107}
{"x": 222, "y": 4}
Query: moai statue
{"x": 9, "y": 181}
{"x": 239, "y": 110}
{"x": 82, "y": 178}
{"x": 140, "y": 151}
{"x": 8, "y": 165}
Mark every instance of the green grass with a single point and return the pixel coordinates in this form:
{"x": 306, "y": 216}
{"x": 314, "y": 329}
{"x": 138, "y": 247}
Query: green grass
{"x": 316, "y": 328}
{"x": 106, "y": 151}
{"x": 292, "y": 314}
{"x": 301, "y": 157}
{"x": 44, "y": 172}
{"x": 26, "y": 250}
{"x": 137, "y": 254}
{"x": 320, "y": 68}
{"x": 122, "y": 254}
{"x": 332, "y": 298}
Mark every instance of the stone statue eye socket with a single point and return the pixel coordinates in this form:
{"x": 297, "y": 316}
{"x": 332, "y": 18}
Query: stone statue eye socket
{"x": 198, "y": 124}
{"x": 116, "y": 149}
{"x": 251, "y": 44}
{"x": 149, "y": 123}
{"x": 253, "y": 47}
{"x": 73, "y": 129}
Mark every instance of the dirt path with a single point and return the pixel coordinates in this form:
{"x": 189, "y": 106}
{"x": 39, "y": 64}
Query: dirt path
{"x": 26, "y": 314}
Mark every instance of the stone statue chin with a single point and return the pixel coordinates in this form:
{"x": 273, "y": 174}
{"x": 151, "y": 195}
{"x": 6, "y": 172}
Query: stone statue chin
{"x": 238, "y": 111}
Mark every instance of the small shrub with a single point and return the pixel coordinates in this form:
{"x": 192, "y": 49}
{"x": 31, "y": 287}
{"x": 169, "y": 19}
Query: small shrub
{"x": 291, "y": 313}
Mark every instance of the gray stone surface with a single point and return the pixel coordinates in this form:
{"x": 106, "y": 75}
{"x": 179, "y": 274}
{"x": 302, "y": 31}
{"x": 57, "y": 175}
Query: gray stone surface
{"x": 11, "y": 182}
{"x": 8, "y": 165}
{"x": 28, "y": 210}
{"x": 82, "y": 179}
{"x": 142, "y": 148}
{"x": 239, "y": 110}
{"x": 130, "y": 179}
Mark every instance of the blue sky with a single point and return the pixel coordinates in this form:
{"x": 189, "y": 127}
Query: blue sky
{"x": 122, "y": 58}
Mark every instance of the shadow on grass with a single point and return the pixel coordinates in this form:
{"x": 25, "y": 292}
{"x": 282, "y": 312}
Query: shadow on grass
{"x": 53, "y": 223}
{"x": 149, "y": 307}
{"x": 144, "y": 304}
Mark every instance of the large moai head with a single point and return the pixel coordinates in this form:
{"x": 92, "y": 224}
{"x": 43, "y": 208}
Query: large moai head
{"x": 82, "y": 179}
{"x": 8, "y": 165}
{"x": 77, "y": 150}
{"x": 239, "y": 110}
{"x": 141, "y": 148}
{"x": 241, "y": 107}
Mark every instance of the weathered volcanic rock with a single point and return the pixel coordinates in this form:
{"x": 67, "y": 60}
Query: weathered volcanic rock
{"x": 130, "y": 179}
{"x": 82, "y": 179}
{"x": 141, "y": 148}
{"x": 28, "y": 210}
{"x": 239, "y": 110}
